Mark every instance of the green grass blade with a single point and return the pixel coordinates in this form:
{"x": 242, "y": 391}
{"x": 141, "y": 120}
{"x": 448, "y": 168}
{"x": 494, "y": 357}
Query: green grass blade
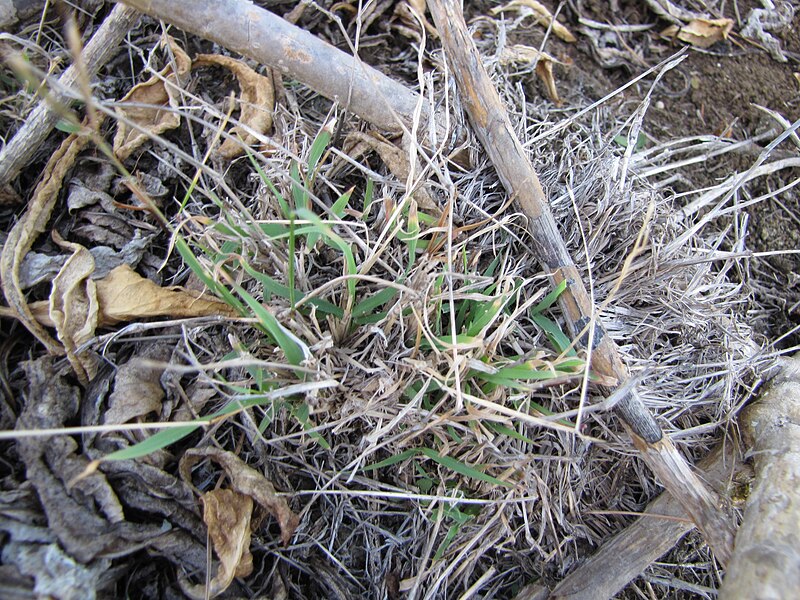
{"x": 157, "y": 441}
{"x": 278, "y": 289}
{"x": 393, "y": 460}
{"x": 560, "y": 341}
{"x": 369, "y": 194}
{"x": 301, "y": 413}
{"x": 550, "y": 299}
{"x": 337, "y": 242}
{"x": 367, "y": 306}
{"x": 212, "y": 284}
{"x": 462, "y": 469}
{"x": 299, "y": 193}
{"x": 290, "y": 258}
{"x": 341, "y": 204}
{"x": 317, "y": 150}
{"x": 294, "y": 350}
{"x": 485, "y": 312}
{"x": 507, "y": 431}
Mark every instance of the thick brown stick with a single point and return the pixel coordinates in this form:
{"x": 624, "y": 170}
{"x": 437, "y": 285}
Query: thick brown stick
{"x": 766, "y": 560}
{"x": 631, "y": 551}
{"x": 103, "y": 45}
{"x": 493, "y": 128}
{"x": 257, "y": 33}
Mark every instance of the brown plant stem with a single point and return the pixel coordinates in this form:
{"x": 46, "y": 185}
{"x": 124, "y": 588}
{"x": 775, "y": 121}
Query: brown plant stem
{"x": 630, "y": 552}
{"x": 493, "y": 127}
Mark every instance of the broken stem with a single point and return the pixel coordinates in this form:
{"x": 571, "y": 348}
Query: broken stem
{"x": 493, "y": 127}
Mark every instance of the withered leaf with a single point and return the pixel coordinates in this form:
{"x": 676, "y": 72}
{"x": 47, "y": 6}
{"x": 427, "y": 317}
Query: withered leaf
{"x": 73, "y": 307}
{"x": 124, "y": 295}
{"x": 539, "y": 12}
{"x": 27, "y": 229}
{"x": 702, "y": 33}
{"x": 257, "y": 101}
{"x": 412, "y": 13}
{"x": 395, "y": 159}
{"x": 520, "y": 53}
{"x": 227, "y": 514}
{"x": 157, "y": 101}
{"x": 137, "y": 388}
{"x": 245, "y": 480}
{"x": 87, "y": 518}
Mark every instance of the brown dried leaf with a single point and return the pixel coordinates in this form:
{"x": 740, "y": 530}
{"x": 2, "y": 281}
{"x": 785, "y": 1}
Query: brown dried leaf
{"x": 412, "y": 13}
{"x": 160, "y": 94}
{"x": 245, "y": 480}
{"x": 257, "y": 101}
{"x": 520, "y": 53}
{"x": 73, "y": 307}
{"x": 27, "y": 229}
{"x": 124, "y": 295}
{"x": 539, "y": 12}
{"x": 395, "y": 159}
{"x": 137, "y": 388}
{"x": 227, "y": 514}
{"x": 87, "y": 517}
{"x": 702, "y": 33}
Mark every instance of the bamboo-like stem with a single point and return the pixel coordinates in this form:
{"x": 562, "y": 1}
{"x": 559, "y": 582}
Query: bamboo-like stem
{"x": 493, "y": 127}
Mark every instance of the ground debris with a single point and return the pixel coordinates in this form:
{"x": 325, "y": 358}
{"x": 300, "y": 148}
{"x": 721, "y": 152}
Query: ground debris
{"x": 87, "y": 518}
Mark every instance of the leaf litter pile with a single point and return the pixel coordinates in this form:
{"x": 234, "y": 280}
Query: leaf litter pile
{"x": 255, "y": 346}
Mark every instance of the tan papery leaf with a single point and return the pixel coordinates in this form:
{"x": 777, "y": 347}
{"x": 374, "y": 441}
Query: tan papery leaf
{"x": 74, "y": 309}
{"x": 257, "y": 102}
{"x": 701, "y": 33}
{"x": 520, "y": 53}
{"x": 539, "y": 12}
{"x": 124, "y": 295}
{"x": 245, "y": 480}
{"x": 137, "y": 387}
{"x": 159, "y": 98}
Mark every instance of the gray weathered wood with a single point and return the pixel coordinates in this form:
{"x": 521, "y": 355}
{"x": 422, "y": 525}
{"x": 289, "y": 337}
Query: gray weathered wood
{"x": 631, "y": 551}
{"x": 766, "y": 558}
{"x": 259, "y": 34}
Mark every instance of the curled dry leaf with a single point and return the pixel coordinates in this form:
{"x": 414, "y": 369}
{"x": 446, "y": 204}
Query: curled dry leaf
{"x": 124, "y": 295}
{"x": 245, "y": 480}
{"x": 74, "y": 309}
{"x": 152, "y": 105}
{"x": 395, "y": 159}
{"x": 702, "y": 33}
{"x": 412, "y": 13}
{"x": 227, "y": 514}
{"x": 257, "y": 101}
{"x": 520, "y": 53}
{"x": 539, "y": 12}
{"x": 27, "y": 229}
{"x": 137, "y": 387}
